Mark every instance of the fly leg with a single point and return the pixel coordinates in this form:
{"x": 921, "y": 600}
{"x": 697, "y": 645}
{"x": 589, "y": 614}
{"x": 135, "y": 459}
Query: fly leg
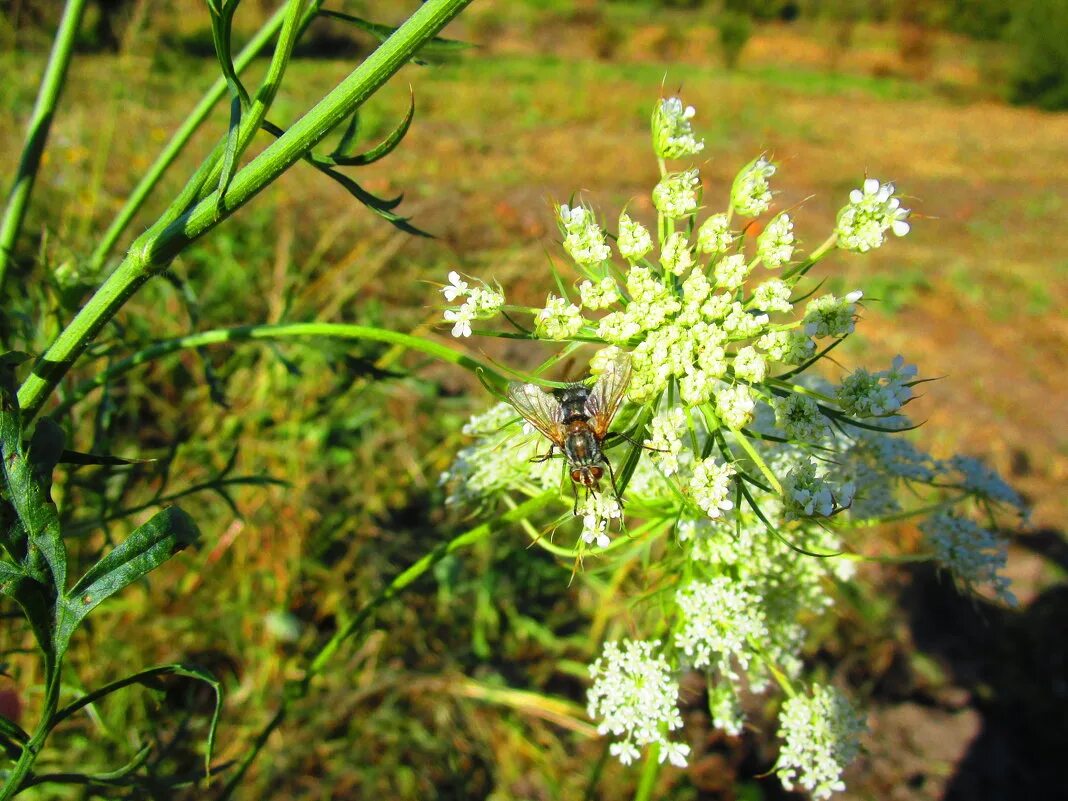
{"x": 633, "y": 441}
{"x": 612, "y": 478}
{"x": 542, "y": 457}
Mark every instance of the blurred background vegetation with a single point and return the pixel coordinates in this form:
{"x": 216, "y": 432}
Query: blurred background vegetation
{"x": 953, "y": 99}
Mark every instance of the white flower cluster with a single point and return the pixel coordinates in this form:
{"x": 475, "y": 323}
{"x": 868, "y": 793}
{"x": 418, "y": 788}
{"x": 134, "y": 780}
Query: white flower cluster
{"x": 807, "y": 493}
{"x": 872, "y": 210}
{"x": 597, "y": 512}
{"x": 583, "y": 239}
{"x": 711, "y": 486}
{"x": 746, "y": 453}
{"x": 721, "y": 622}
{"x": 800, "y": 418}
{"x": 635, "y": 697}
{"x": 715, "y": 236}
{"x": 664, "y": 442}
{"x": 775, "y": 245}
{"x": 865, "y": 394}
{"x": 821, "y": 736}
{"x": 482, "y": 302}
{"x": 599, "y": 295}
{"x": 634, "y": 240}
{"x": 751, "y": 193}
{"x": 676, "y": 196}
{"x": 559, "y": 319}
{"x": 974, "y": 555}
{"x": 830, "y": 316}
{"x": 498, "y": 460}
{"x": 983, "y": 482}
{"x": 673, "y": 136}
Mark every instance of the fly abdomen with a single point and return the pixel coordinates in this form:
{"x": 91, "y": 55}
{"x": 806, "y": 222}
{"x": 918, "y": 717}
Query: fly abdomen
{"x": 581, "y": 446}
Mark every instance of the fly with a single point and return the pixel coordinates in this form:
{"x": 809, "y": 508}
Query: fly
{"x": 576, "y": 418}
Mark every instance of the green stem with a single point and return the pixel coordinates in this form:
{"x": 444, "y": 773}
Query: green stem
{"x": 253, "y": 118}
{"x": 650, "y": 770}
{"x": 37, "y": 134}
{"x": 179, "y": 140}
{"x": 813, "y": 257}
{"x": 274, "y": 331}
{"x": 153, "y": 251}
{"x": 18, "y": 774}
{"x": 401, "y": 582}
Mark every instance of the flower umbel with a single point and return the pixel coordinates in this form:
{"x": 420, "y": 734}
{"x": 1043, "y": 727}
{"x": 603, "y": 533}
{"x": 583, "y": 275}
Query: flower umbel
{"x": 727, "y": 445}
{"x": 673, "y": 136}
{"x": 634, "y": 696}
{"x": 872, "y": 211}
{"x": 821, "y": 734}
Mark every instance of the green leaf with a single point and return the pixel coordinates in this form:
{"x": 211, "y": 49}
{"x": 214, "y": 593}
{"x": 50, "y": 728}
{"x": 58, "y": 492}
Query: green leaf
{"x": 143, "y": 551}
{"x": 29, "y": 496}
{"x": 341, "y": 156}
{"x": 32, "y": 598}
{"x": 347, "y": 141}
{"x": 79, "y": 458}
{"x": 380, "y": 206}
{"x": 147, "y": 678}
{"x": 46, "y": 449}
{"x": 222, "y": 20}
{"x": 435, "y": 49}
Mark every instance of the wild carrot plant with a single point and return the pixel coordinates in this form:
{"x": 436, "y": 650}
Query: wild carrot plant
{"x": 748, "y": 466}
{"x": 738, "y": 473}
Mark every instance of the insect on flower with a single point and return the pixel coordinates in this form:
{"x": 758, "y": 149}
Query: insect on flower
{"x": 575, "y": 418}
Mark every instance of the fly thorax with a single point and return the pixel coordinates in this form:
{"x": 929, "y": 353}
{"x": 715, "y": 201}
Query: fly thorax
{"x": 573, "y": 402}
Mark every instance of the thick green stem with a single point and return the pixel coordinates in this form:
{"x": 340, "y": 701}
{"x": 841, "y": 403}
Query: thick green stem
{"x": 153, "y": 251}
{"x": 253, "y": 118}
{"x": 37, "y": 135}
{"x": 650, "y": 771}
{"x": 181, "y": 137}
{"x": 277, "y": 331}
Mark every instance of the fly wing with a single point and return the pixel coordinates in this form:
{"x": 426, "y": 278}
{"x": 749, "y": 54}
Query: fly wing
{"x": 607, "y": 394}
{"x": 539, "y": 408}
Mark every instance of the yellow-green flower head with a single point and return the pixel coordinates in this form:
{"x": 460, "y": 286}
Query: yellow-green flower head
{"x": 731, "y": 271}
{"x": 583, "y": 239}
{"x": 750, "y": 192}
{"x": 714, "y": 235}
{"x": 559, "y": 319}
{"x": 788, "y": 347}
{"x": 634, "y": 240}
{"x": 775, "y": 245}
{"x": 676, "y": 255}
{"x": 677, "y": 194}
{"x": 772, "y": 295}
{"x": 831, "y": 316}
{"x": 673, "y": 136}
{"x": 599, "y": 295}
{"x": 872, "y": 211}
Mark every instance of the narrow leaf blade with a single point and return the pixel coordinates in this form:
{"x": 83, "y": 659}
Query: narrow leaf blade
{"x": 143, "y": 551}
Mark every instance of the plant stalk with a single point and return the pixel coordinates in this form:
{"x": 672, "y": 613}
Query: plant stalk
{"x": 37, "y": 134}
{"x": 153, "y": 251}
{"x": 181, "y": 137}
{"x": 277, "y": 331}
